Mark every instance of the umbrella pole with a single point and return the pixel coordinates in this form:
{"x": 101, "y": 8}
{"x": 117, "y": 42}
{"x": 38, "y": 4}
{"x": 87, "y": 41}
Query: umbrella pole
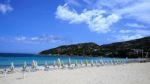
{"x": 23, "y": 74}
{"x": 5, "y": 72}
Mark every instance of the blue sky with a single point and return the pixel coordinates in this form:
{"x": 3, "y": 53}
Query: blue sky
{"x": 29, "y": 26}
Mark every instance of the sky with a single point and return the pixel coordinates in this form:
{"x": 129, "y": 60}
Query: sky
{"x": 30, "y": 26}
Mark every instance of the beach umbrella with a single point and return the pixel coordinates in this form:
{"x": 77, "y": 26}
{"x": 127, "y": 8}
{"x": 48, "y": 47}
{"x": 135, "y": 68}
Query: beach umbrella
{"x": 96, "y": 63}
{"x": 5, "y": 72}
{"x": 116, "y": 61}
{"x": 33, "y": 64}
{"x": 12, "y": 67}
{"x": 108, "y": 61}
{"x": 69, "y": 62}
{"x": 99, "y": 62}
{"x": 24, "y": 66}
{"x": 62, "y": 63}
{"x": 86, "y": 62}
{"x": 111, "y": 61}
{"x": 46, "y": 65}
{"x": 92, "y": 63}
{"x": 24, "y": 69}
{"x": 76, "y": 63}
{"x": 58, "y": 63}
{"x": 36, "y": 64}
{"x": 102, "y": 61}
{"x": 81, "y": 62}
{"x": 126, "y": 60}
{"x": 54, "y": 64}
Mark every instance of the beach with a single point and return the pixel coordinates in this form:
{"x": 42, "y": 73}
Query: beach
{"x": 133, "y": 73}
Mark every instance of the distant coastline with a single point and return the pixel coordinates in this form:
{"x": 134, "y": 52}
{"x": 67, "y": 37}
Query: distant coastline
{"x": 138, "y": 48}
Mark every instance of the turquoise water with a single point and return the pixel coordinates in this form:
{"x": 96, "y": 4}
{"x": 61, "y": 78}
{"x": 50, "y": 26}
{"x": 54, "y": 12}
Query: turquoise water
{"x": 19, "y": 59}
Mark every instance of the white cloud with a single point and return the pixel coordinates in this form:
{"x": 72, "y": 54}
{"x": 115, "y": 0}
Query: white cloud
{"x": 87, "y": 1}
{"x": 136, "y": 31}
{"x": 114, "y": 4}
{"x": 73, "y": 2}
{"x": 5, "y": 7}
{"x": 142, "y": 32}
{"x": 135, "y": 25}
{"x": 125, "y": 31}
{"x": 139, "y": 11}
{"x": 103, "y": 14}
{"x": 34, "y": 38}
{"x": 126, "y": 37}
{"x": 22, "y": 38}
{"x": 136, "y": 9}
{"x": 95, "y": 19}
{"x": 42, "y": 38}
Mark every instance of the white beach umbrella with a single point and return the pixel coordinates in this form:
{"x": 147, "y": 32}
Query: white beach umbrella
{"x": 46, "y": 66}
{"x": 58, "y": 63}
{"x": 24, "y": 66}
{"x": 69, "y": 62}
{"x": 36, "y": 64}
{"x": 111, "y": 61}
{"x": 5, "y": 72}
{"x": 126, "y": 60}
{"x": 86, "y": 62}
{"x": 101, "y": 62}
{"x": 115, "y": 61}
{"x": 24, "y": 69}
{"x": 54, "y": 64}
{"x": 76, "y": 63}
{"x": 33, "y": 64}
{"x": 62, "y": 63}
{"x": 92, "y": 63}
{"x": 81, "y": 62}
{"x": 96, "y": 63}
{"x": 12, "y": 67}
{"x": 107, "y": 61}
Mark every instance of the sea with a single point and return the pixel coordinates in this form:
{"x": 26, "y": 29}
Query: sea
{"x": 18, "y": 59}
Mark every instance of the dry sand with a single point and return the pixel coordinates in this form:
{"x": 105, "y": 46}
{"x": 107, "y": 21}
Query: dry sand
{"x": 134, "y": 73}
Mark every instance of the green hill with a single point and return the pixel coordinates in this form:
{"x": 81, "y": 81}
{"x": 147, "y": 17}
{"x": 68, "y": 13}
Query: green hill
{"x": 134, "y": 48}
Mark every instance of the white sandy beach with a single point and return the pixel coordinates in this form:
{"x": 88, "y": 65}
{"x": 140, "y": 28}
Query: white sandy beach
{"x": 134, "y": 73}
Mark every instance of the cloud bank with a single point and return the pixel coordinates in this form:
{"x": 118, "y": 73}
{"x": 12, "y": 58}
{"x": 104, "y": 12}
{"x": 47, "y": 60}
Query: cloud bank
{"x": 102, "y": 16}
{"x": 35, "y": 39}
